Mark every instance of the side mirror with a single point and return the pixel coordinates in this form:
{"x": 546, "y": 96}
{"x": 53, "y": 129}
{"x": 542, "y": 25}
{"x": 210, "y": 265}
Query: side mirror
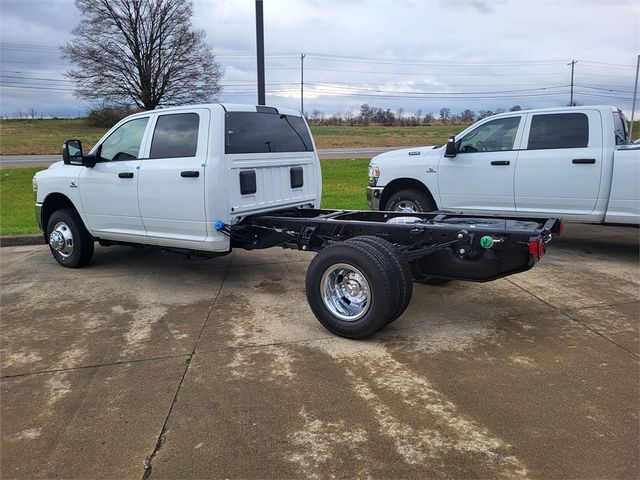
{"x": 91, "y": 160}
{"x": 451, "y": 150}
{"x": 72, "y": 152}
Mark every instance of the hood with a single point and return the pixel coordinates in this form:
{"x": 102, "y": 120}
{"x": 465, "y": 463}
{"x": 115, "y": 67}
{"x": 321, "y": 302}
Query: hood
{"x": 417, "y": 154}
{"x": 56, "y": 165}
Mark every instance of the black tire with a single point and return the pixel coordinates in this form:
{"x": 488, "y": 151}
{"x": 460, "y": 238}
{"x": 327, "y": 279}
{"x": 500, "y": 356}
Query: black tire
{"x": 401, "y": 269}
{"x": 361, "y": 261}
{"x": 74, "y": 245}
{"x": 409, "y": 199}
{"x": 420, "y": 277}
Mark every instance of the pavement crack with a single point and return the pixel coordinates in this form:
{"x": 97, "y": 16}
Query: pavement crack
{"x": 97, "y": 365}
{"x": 597, "y": 332}
{"x": 148, "y": 467}
{"x": 567, "y": 313}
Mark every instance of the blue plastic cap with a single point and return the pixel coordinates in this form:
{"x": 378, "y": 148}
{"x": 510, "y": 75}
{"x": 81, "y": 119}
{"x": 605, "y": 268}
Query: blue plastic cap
{"x": 219, "y": 225}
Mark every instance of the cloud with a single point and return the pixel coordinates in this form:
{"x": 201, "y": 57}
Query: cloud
{"x": 389, "y": 53}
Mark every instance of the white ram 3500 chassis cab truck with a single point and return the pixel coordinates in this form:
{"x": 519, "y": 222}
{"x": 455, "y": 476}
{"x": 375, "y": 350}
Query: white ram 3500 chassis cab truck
{"x": 204, "y": 179}
{"x": 574, "y": 162}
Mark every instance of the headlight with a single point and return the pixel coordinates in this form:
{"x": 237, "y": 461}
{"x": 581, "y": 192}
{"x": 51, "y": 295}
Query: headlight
{"x": 374, "y": 174}
{"x": 34, "y": 182}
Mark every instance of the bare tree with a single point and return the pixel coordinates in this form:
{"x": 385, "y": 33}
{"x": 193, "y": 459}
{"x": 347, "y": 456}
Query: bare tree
{"x": 418, "y": 116}
{"x": 468, "y": 116}
{"x": 484, "y": 114}
{"x": 445, "y": 115}
{"x": 348, "y": 117}
{"x": 142, "y": 52}
{"x": 515, "y": 108}
{"x": 366, "y": 114}
{"x": 317, "y": 117}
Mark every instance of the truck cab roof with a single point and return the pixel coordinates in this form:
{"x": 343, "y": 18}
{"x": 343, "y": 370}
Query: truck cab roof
{"x": 233, "y": 107}
{"x": 602, "y": 108}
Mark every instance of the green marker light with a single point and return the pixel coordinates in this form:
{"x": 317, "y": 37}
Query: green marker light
{"x": 486, "y": 242}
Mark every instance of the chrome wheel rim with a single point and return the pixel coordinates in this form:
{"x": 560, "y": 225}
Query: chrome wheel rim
{"x": 406, "y": 206}
{"x": 345, "y": 292}
{"x": 61, "y": 240}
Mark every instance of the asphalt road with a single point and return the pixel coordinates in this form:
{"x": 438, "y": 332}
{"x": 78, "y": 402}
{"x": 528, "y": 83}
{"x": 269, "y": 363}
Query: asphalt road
{"x": 218, "y": 369}
{"x": 10, "y": 161}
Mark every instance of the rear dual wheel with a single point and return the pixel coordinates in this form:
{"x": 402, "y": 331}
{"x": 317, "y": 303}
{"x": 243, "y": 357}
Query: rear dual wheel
{"x": 357, "y": 287}
{"x": 401, "y": 271}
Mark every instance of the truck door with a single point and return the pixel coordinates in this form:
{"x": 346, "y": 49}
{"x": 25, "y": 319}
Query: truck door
{"x": 480, "y": 176}
{"x": 109, "y": 190}
{"x": 559, "y": 170}
{"x": 172, "y": 176}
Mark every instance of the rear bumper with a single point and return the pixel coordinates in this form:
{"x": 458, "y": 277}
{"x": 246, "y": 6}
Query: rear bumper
{"x": 373, "y": 197}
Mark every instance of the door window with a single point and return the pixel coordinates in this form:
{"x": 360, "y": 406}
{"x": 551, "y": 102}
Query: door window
{"x": 175, "y": 136}
{"x": 559, "y": 130}
{"x": 494, "y": 136}
{"x": 124, "y": 142}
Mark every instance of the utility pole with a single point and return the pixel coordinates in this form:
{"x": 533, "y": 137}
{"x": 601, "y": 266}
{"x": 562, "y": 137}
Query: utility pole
{"x": 302, "y": 55}
{"x": 573, "y": 63}
{"x": 635, "y": 94}
{"x": 260, "y": 51}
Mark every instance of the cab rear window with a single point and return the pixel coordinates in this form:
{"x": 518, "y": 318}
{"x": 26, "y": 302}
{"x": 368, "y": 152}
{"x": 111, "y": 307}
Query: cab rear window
{"x": 261, "y": 132}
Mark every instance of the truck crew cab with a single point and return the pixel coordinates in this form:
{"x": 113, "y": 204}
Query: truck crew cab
{"x": 573, "y": 162}
{"x": 204, "y": 179}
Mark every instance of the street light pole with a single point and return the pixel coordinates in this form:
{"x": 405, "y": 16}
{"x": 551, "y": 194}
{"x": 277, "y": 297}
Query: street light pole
{"x": 260, "y": 51}
{"x": 573, "y": 63}
{"x": 302, "y": 55}
{"x": 635, "y": 94}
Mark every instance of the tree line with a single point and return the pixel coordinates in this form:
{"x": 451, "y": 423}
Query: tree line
{"x": 369, "y": 115}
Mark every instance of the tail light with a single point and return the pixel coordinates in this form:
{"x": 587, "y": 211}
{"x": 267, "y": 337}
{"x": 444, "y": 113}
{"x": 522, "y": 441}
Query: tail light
{"x": 536, "y": 247}
{"x": 560, "y": 226}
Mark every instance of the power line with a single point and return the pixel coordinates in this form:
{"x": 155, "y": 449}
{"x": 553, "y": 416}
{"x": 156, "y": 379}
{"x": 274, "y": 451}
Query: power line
{"x": 434, "y": 93}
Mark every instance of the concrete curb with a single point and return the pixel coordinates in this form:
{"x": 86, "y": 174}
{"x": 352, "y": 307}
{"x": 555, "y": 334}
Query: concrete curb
{"x": 22, "y": 240}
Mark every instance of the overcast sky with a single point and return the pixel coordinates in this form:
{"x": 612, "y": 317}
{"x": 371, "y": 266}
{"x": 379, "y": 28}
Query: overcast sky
{"x": 409, "y": 54}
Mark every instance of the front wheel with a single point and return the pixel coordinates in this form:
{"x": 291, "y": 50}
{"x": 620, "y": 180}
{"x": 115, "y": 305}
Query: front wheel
{"x": 409, "y": 201}
{"x": 69, "y": 241}
{"x": 349, "y": 290}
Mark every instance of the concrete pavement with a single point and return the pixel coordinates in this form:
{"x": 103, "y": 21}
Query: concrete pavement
{"x": 218, "y": 369}
{"x": 11, "y": 161}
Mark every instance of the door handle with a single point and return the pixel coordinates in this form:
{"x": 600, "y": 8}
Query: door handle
{"x": 190, "y": 173}
{"x": 583, "y": 161}
{"x": 500, "y": 162}
{"x": 125, "y": 175}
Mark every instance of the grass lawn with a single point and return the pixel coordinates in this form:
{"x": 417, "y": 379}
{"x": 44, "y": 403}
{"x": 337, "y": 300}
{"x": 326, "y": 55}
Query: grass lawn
{"x": 343, "y": 136}
{"x": 344, "y": 186}
{"x": 25, "y": 137}
{"x": 17, "y": 216}
{"x": 45, "y": 137}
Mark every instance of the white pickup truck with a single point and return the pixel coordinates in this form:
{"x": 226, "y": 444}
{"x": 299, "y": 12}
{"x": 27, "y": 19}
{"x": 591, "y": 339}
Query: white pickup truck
{"x": 572, "y": 162}
{"x": 204, "y": 179}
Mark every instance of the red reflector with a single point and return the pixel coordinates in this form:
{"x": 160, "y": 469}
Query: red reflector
{"x": 533, "y": 247}
{"x": 536, "y": 247}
